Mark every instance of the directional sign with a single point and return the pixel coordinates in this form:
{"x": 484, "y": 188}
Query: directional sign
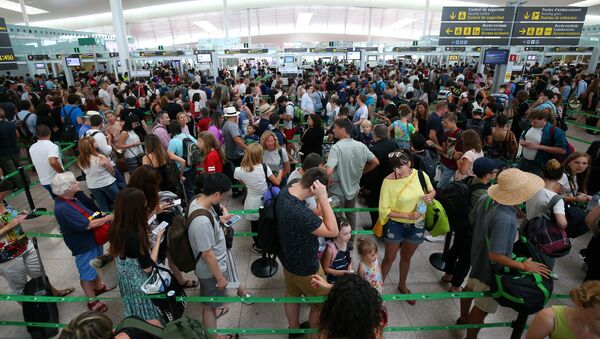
{"x": 453, "y": 57}
{"x": 533, "y": 49}
{"x": 415, "y": 49}
{"x": 572, "y": 49}
{"x": 161, "y": 53}
{"x": 7, "y": 54}
{"x": 551, "y": 14}
{"x": 473, "y": 42}
{"x": 475, "y": 30}
{"x": 113, "y": 54}
{"x": 199, "y": 51}
{"x": 295, "y": 50}
{"x": 455, "y": 14}
{"x": 455, "y": 49}
{"x": 547, "y": 30}
{"x": 544, "y": 41}
{"x": 328, "y": 50}
{"x": 247, "y": 51}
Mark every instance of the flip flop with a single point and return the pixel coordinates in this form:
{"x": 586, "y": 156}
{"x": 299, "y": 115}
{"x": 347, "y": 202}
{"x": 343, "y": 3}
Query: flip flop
{"x": 65, "y": 292}
{"x": 101, "y": 291}
{"x": 96, "y": 306}
{"x": 222, "y": 311}
{"x": 410, "y": 302}
{"x": 190, "y": 284}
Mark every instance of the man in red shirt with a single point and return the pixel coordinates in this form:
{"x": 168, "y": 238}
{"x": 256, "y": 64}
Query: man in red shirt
{"x": 450, "y": 150}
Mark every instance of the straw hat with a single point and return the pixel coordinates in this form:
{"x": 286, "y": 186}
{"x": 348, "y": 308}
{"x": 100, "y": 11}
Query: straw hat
{"x": 266, "y": 108}
{"x": 229, "y": 112}
{"x": 515, "y": 186}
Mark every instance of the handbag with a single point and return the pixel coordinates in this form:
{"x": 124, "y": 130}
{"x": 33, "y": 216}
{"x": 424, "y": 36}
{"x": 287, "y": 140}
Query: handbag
{"x": 546, "y": 234}
{"x": 272, "y": 191}
{"x": 378, "y": 229}
{"x": 436, "y": 219}
{"x": 100, "y": 233}
{"x": 162, "y": 279}
{"x": 576, "y": 225}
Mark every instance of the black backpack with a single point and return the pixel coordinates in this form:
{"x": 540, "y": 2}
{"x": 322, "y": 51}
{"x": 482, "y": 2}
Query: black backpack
{"x": 70, "y": 131}
{"x": 478, "y": 127}
{"x": 24, "y": 131}
{"x": 546, "y": 234}
{"x": 268, "y": 233}
{"x": 425, "y": 162}
{"x": 456, "y": 199}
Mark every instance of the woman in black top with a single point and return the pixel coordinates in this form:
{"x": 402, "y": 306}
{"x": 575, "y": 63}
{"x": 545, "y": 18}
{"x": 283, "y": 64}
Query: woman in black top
{"x": 57, "y": 105}
{"x": 312, "y": 139}
{"x": 44, "y": 118}
{"x": 134, "y": 258}
{"x": 520, "y": 121}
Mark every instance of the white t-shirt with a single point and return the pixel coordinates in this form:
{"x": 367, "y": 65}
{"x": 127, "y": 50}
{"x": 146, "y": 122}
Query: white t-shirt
{"x": 40, "y": 153}
{"x": 470, "y": 155}
{"x": 566, "y": 187}
{"x": 533, "y": 135}
{"x": 538, "y": 204}
{"x": 255, "y": 181}
{"x": 289, "y": 111}
{"x": 307, "y": 104}
{"x": 274, "y": 161}
{"x": 105, "y": 96}
{"x": 96, "y": 176}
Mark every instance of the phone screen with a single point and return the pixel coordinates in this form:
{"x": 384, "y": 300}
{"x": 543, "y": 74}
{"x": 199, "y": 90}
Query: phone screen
{"x": 233, "y": 220}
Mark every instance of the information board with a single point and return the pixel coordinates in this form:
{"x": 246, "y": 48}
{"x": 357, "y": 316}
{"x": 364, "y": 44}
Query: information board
{"x": 7, "y": 54}
{"x": 562, "y": 14}
{"x": 478, "y": 13}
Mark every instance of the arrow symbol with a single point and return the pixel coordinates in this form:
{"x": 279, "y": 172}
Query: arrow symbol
{"x": 452, "y": 15}
{"x": 522, "y": 30}
{"x": 526, "y": 16}
{"x": 449, "y": 30}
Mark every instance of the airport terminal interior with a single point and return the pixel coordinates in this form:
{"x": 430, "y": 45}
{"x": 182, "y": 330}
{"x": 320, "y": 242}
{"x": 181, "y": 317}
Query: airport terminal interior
{"x": 322, "y": 169}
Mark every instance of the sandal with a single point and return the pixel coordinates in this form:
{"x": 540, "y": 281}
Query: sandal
{"x": 222, "y": 311}
{"x": 101, "y": 291}
{"x": 65, "y": 292}
{"x": 190, "y": 284}
{"x": 407, "y": 291}
{"x": 96, "y": 306}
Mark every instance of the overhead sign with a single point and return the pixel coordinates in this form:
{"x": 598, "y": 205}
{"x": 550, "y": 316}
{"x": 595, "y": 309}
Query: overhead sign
{"x": 478, "y": 13}
{"x": 7, "y": 54}
{"x": 367, "y": 49}
{"x": 160, "y": 53}
{"x": 551, "y": 14}
{"x": 455, "y": 49}
{"x": 572, "y": 49}
{"x": 247, "y": 51}
{"x": 473, "y": 41}
{"x": 452, "y": 57}
{"x": 542, "y": 30}
{"x": 86, "y": 41}
{"x": 199, "y": 51}
{"x": 415, "y": 49}
{"x": 37, "y": 57}
{"x": 328, "y": 50}
{"x": 113, "y": 54}
{"x": 533, "y": 49}
{"x": 295, "y": 50}
{"x": 475, "y": 30}
{"x": 544, "y": 41}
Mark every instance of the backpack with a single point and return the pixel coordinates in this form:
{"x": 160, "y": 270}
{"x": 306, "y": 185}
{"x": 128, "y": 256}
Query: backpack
{"x": 70, "y": 131}
{"x": 477, "y": 127}
{"x": 323, "y": 100}
{"x": 545, "y": 234}
{"x": 178, "y": 239}
{"x": 456, "y": 199}
{"x": 298, "y": 114}
{"x": 182, "y": 328}
{"x": 268, "y": 234}
{"x": 425, "y": 162}
{"x": 191, "y": 153}
{"x": 21, "y": 125}
{"x": 570, "y": 149}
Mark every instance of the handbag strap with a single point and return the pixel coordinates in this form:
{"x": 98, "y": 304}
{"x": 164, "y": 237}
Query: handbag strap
{"x": 75, "y": 206}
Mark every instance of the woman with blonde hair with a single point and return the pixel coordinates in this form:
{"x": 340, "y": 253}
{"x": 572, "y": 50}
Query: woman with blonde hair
{"x": 275, "y": 156}
{"x": 254, "y": 174}
{"x": 472, "y": 150}
{"x": 99, "y": 173}
{"x": 561, "y": 321}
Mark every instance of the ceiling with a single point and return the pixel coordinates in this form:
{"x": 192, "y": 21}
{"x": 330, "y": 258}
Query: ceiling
{"x": 160, "y": 22}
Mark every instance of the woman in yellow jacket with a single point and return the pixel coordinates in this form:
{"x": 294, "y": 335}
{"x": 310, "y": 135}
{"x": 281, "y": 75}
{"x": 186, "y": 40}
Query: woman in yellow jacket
{"x": 402, "y": 207}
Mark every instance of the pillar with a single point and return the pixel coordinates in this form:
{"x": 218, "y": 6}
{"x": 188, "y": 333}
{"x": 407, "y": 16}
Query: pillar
{"x": 593, "y": 63}
{"x": 119, "y": 25}
{"x": 24, "y": 12}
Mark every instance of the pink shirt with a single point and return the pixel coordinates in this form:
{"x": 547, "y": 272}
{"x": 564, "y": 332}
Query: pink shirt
{"x": 217, "y": 133}
{"x": 161, "y": 132}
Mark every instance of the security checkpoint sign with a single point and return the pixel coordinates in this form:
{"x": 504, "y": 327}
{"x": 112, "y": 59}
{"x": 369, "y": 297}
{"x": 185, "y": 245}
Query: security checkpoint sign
{"x": 562, "y": 14}
{"x": 458, "y": 14}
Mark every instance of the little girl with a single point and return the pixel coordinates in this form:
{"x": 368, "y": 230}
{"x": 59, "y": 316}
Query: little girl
{"x": 369, "y": 268}
{"x": 336, "y": 259}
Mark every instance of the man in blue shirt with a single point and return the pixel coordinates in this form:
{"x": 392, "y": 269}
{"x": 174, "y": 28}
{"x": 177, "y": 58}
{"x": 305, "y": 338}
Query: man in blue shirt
{"x": 72, "y": 111}
{"x": 176, "y": 146}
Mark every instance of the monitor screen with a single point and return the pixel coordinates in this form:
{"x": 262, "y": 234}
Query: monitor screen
{"x": 204, "y": 57}
{"x": 40, "y": 66}
{"x": 326, "y": 59}
{"x": 531, "y": 58}
{"x": 288, "y": 59}
{"x": 496, "y": 56}
{"x": 372, "y": 58}
{"x": 353, "y": 55}
{"x": 73, "y": 62}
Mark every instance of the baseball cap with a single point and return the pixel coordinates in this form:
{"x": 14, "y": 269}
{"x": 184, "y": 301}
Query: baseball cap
{"x": 485, "y": 165}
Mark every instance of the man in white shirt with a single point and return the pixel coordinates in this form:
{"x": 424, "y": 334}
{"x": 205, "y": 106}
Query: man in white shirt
{"x": 46, "y": 158}
{"x": 307, "y": 104}
{"x": 196, "y": 89}
{"x": 26, "y": 96}
{"x": 104, "y": 95}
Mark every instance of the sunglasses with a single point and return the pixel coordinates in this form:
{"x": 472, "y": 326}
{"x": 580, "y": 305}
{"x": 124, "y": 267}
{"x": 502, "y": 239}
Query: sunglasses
{"x": 401, "y": 155}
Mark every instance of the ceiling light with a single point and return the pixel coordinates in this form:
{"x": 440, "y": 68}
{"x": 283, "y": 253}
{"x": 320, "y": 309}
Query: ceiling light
{"x": 12, "y": 6}
{"x": 303, "y": 20}
{"x": 586, "y": 3}
{"x": 402, "y": 22}
{"x": 207, "y": 26}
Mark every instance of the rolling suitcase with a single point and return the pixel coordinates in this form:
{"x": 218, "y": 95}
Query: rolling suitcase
{"x": 40, "y": 312}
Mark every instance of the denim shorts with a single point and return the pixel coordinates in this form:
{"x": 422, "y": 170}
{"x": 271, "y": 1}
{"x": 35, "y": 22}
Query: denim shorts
{"x": 395, "y": 232}
{"x": 82, "y": 261}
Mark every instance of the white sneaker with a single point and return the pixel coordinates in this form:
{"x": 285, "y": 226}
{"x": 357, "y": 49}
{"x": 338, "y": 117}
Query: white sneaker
{"x": 439, "y": 238}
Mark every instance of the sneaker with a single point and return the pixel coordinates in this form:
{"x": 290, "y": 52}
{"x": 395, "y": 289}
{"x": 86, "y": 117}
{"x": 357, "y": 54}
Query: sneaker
{"x": 256, "y": 249}
{"x": 439, "y": 238}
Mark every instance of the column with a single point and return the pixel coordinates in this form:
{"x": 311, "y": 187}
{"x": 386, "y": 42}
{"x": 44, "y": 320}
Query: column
{"x": 249, "y": 31}
{"x": 119, "y": 26}
{"x": 54, "y": 69}
{"x": 426, "y": 19}
{"x": 24, "y": 12}
{"x": 369, "y": 28}
{"x": 225, "y": 19}
{"x": 593, "y": 61}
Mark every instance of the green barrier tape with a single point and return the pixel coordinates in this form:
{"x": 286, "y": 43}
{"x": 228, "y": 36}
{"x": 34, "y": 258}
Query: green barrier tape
{"x": 594, "y": 129}
{"x": 43, "y": 235}
{"x": 579, "y": 139}
{"x": 33, "y": 184}
{"x": 236, "y": 234}
{"x": 68, "y": 147}
{"x": 445, "y": 328}
{"x": 570, "y": 112}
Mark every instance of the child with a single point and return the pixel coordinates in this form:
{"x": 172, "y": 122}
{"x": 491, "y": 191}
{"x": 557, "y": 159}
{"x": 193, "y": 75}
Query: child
{"x": 366, "y": 134}
{"x": 250, "y": 137}
{"x": 402, "y": 129}
{"x": 368, "y": 268}
{"x": 336, "y": 260}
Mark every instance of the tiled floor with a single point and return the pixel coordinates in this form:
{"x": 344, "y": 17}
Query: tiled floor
{"x": 422, "y": 278}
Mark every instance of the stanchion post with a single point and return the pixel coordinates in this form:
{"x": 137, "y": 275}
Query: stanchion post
{"x": 438, "y": 260}
{"x": 32, "y": 208}
{"x": 519, "y": 326}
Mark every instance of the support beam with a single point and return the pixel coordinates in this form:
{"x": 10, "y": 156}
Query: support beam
{"x": 119, "y": 25}
{"x": 249, "y": 31}
{"x": 225, "y": 19}
{"x": 426, "y": 19}
{"x": 24, "y": 12}
{"x": 369, "y": 27}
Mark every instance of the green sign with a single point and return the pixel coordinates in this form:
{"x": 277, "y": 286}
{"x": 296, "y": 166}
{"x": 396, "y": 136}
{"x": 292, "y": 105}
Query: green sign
{"x": 87, "y": 42}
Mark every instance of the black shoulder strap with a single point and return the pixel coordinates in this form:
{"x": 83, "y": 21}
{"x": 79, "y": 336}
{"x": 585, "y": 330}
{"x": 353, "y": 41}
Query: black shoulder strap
{"x": 264, "y": 167}
{"x": 422, "y": 181}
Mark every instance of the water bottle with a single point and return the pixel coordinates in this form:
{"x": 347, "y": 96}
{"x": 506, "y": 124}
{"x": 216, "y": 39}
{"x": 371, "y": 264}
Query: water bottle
{"x": 421, "y": 209}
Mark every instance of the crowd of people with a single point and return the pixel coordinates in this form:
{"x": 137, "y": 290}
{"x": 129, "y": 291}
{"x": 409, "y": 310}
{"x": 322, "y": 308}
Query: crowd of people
{"x": 150, "y": 150}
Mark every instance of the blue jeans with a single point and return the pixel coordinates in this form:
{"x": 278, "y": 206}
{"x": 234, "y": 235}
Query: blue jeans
{"x": 105, "y": 196}
{"x": 120, "y": 180}
{"x": 446, "y": 177}
{"x": 49, "y": 189}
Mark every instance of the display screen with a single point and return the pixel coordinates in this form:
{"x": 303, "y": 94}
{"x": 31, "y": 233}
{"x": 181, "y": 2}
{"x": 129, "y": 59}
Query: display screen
{"x": 372, "y": 58}
{"x": 40, "y": 66}
{"x": 531, "y": 58}
{"x": 496, "y": 56}
{"x": 326, "y": 59}
{"x": 204, "y": 57}
{"x": 288, "y": 60}
{"x": 353, "y": 55}
{"x": 73, "y": 62}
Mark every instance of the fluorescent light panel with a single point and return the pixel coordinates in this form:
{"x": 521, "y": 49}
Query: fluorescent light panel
{"x": 12, "y": 6}
{"x": 402, "y": 22}
{"x": 586, "y": 3}
{"x": 303, "y": 20}
{"x": 207, "y": 26}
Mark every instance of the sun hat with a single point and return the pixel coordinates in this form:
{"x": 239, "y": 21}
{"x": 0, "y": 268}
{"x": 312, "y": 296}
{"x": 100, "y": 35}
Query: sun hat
{"x": 266, "y": 108}
{"x": 515, "y": 186}
{"x": 230, "y": 111}
{"x": 90, "y": 114}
